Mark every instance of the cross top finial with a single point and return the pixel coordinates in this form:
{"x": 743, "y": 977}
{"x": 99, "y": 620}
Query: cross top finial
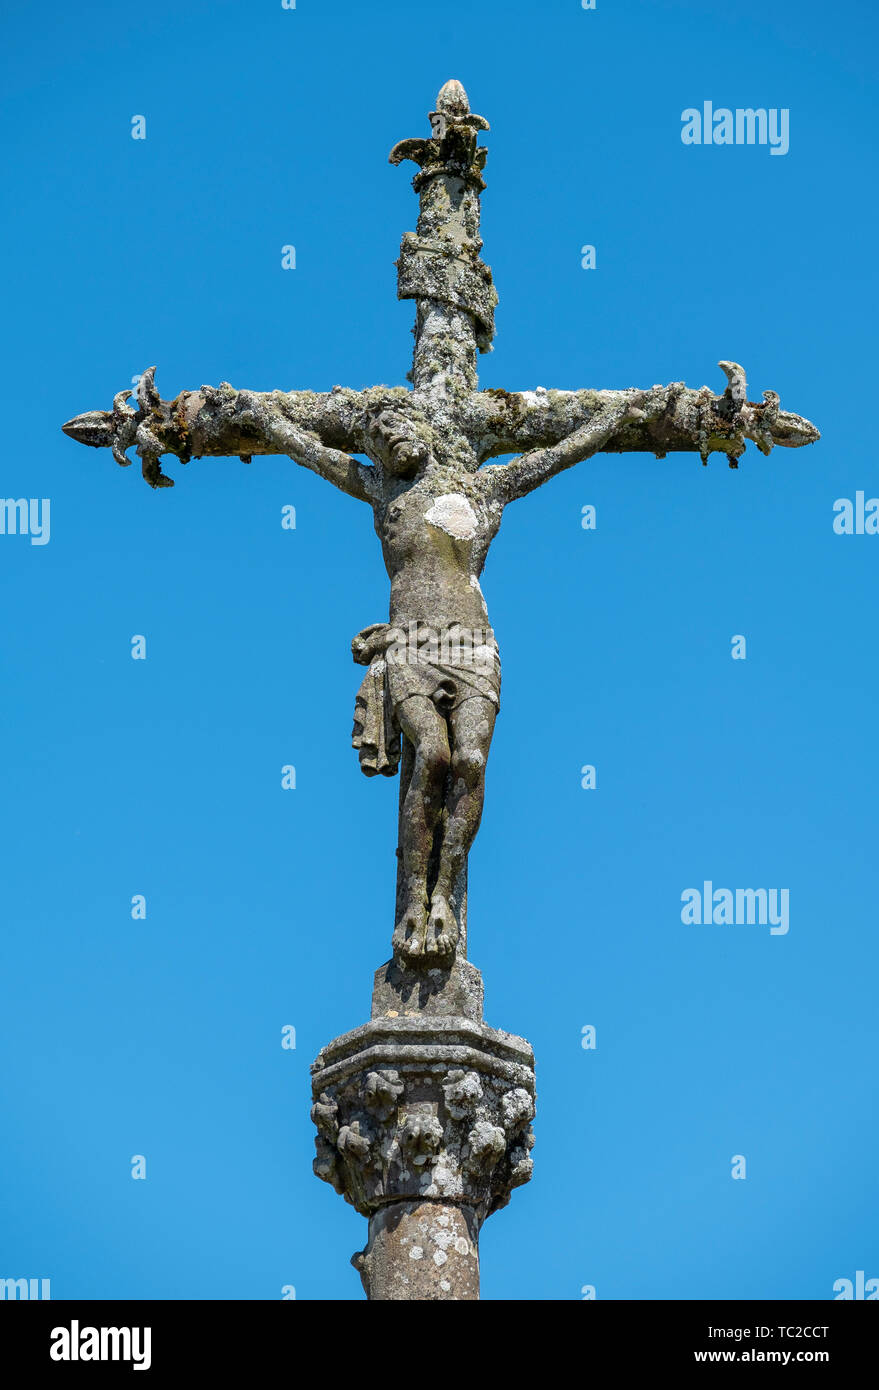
{"x": 452, "y": 99}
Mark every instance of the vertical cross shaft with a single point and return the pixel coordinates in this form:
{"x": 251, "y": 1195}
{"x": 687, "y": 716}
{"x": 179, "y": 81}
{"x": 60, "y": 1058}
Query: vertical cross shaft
{"x": 439, "y": 265}
{"x": 423, "y": 1114}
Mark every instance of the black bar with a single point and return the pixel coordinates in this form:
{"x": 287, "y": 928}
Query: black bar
{"x": 221, "y": 1337}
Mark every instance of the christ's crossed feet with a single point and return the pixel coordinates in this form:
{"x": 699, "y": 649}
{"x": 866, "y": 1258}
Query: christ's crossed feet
{"x": 426, "y": 933}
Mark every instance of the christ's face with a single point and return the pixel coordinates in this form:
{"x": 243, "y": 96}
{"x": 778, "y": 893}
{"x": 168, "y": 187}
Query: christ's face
{"x": 401, "y": 450}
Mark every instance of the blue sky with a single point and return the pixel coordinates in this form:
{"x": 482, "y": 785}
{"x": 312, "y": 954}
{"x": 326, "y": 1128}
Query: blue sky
{"x": 268, "y": 127}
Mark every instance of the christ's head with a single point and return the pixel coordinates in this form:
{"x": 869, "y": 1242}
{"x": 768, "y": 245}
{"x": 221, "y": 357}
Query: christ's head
{"x": 397, "y": 443}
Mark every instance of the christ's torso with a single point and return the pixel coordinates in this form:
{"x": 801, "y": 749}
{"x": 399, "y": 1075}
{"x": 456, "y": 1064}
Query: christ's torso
{"x": 435, "y": 537}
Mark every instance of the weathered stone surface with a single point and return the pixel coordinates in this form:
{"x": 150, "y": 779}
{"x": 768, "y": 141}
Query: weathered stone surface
{"x": 450, "y": 991}
{"x": 421, "y": 1250}
{"x": 448, "y": 273}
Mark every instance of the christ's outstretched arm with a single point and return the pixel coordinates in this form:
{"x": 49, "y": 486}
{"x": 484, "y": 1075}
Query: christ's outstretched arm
{"x": 522, "y": 475}
{"x": 357, "y": 479}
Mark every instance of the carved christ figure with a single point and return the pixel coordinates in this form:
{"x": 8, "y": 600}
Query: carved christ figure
{"x": 436, "y": 514}
{"x": 434, "y": 670}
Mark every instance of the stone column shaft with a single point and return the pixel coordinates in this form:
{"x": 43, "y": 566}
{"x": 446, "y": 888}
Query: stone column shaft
{"x": 421, "y": 1250}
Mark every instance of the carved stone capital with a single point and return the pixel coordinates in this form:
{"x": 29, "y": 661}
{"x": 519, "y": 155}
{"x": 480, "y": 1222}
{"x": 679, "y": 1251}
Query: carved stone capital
{"x": 424, "y": 1109}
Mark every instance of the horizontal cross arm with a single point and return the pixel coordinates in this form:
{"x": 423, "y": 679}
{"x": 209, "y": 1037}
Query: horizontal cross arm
{"x": 315, "y": 429}
{"x": 666, "y": 419}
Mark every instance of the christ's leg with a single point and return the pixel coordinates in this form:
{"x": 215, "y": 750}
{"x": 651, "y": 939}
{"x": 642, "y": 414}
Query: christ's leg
{"x": 471, "y": 726}
{"x": 426, "y": 730}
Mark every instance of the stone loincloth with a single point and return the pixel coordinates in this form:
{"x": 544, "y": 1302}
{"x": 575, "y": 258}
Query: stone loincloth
{"x": 416, "y": 661}
{"x": 376, "y": 734}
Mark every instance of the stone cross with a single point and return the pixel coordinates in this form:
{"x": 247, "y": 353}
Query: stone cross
{"x": 423, "y": 1114}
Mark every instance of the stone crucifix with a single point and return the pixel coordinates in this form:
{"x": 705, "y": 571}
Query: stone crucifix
{"x": 424, "y": 1113}
{"x": 434, "y": 669}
